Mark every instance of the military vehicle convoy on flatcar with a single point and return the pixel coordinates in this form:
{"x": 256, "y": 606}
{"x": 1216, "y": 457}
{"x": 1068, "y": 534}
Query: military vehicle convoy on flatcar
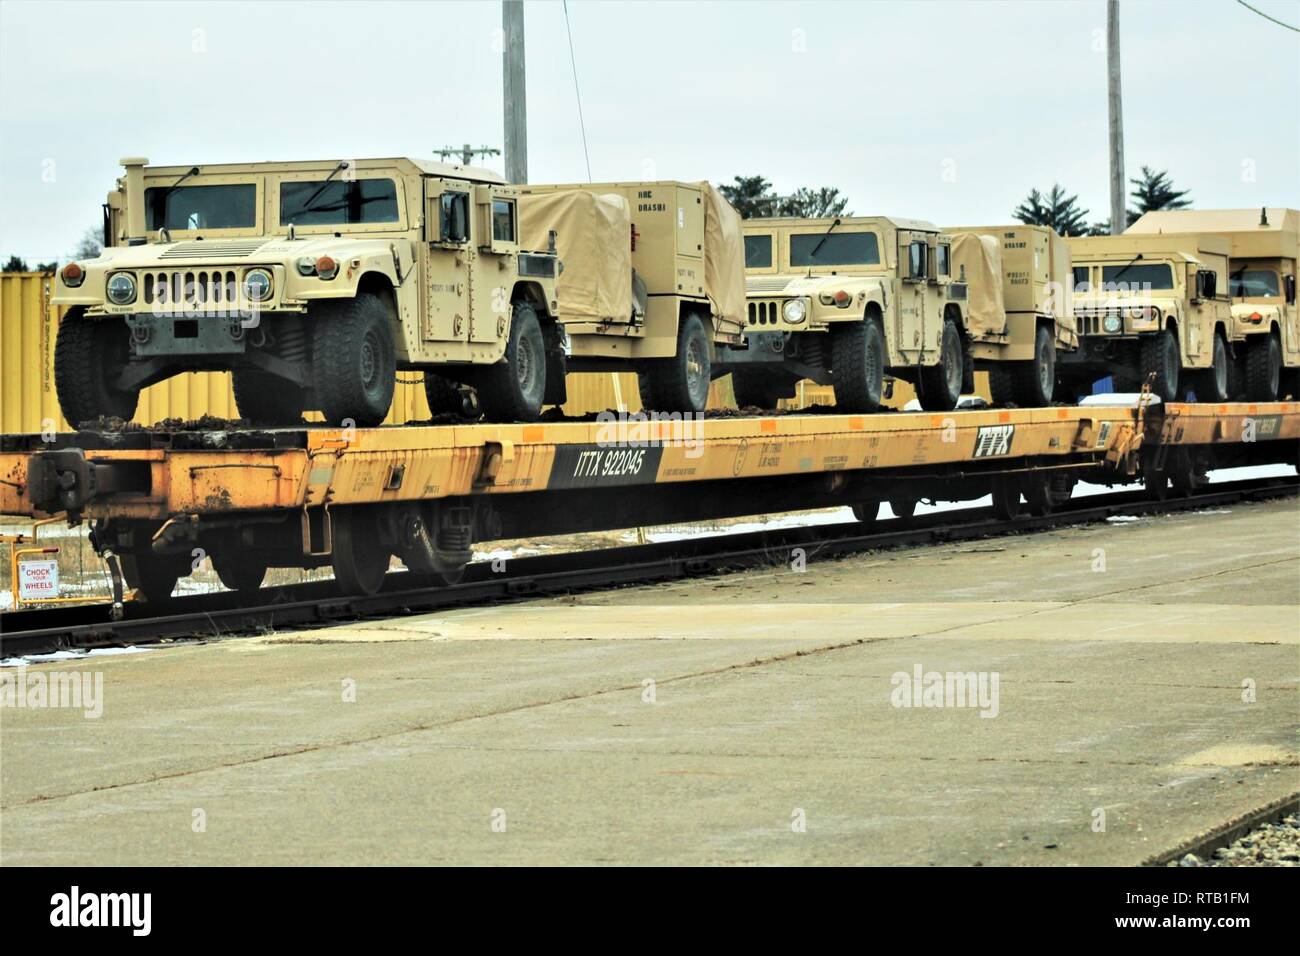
{"x": 846, "y": 302}
{"x": 1026, "y": 319}
{"x": 1151, "y": 307}
{"x": 315, "y": 283}
{"x": 1264, "y": 246}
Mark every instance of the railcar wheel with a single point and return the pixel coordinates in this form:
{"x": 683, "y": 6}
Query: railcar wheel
{"x": 514, "y": 388}
{"x": 867, "y": 512}
{"x": 154, "y": 576}
{"x": 940, "y": 385}
{"x": 903, "y": 508}
{"x": 88, "y": 355}
{"x": 240, "y": 571}
{"x": 1006, "y": 496}
{"x": 360, "y": 556}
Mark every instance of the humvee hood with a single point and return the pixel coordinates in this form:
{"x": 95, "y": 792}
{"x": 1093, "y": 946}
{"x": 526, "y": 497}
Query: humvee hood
{"x": 259, "y": 249}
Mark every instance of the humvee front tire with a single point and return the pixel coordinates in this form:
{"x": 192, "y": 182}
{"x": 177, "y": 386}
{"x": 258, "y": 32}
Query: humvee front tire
{"x": 266, "y": 399}
{"x": 940, "y": 385}
{"x": 88, "y": 354}
{"x": 1159, "y": 354}
{"x": 680, "y": 383}
{"x": 1263, "y": 368}
{"x": 513, "y": 389}
{"x": 858, "y": 361}
{"x": 354, "y": 363}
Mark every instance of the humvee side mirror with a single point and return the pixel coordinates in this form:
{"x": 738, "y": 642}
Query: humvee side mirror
{"x": 1207, "y": 283}
{"x": 1290, "y": 290}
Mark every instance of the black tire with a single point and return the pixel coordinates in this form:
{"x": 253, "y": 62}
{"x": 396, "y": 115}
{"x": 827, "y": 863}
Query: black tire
{"x": 1034, "y": 382}
{"x": 1263, "y": 368}
{"x": 360, "y": 557}
{"x": 1002, "y": 384}
{"x": 940, "y": 385}
{"x": 680, "y": 383}
{"x": 1038, "y": 493}
{"x": 1159, "y": 354}
{"x": 868, "y": 512}
{"x": 266, "y": 399}
{"x": 354, "y": 363}
{"x": 88, "y": 355}
{"x": 513, "y": 389}
{"x": 858, "y": 361}
{"x": 761, "y": 387}
{"x": 1214, "y": 384}
{"x": 904, "y": 508}
{"x": 443, "y": 395}
{"x": 239, "y": 571}
{"x": 1006, "y": 496}
{"x": 154, "y": 576}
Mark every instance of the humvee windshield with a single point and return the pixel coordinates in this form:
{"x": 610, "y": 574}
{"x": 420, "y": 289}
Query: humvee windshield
{"x": 837, "y": 249}
{"x": 758, "y": 252}
{"x": 230, "y": 206}
{"x": 338, "y": 202}
{"x": 1081, "y": 283}
{"x": 1252, "y": 282}
{"x": 1137, "y": 275}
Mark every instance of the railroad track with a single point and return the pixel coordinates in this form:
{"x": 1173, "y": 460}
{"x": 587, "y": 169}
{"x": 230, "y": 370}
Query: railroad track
{"x": 315, "y": 604}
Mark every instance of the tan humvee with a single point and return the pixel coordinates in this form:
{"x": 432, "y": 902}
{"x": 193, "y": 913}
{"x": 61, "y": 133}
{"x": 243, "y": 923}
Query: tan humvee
{"x": 652, "y": 276}
{"x": 1264, "y": 245}
{"x": 847, "y": 301}
{"x": 1151, "y": 305}
{"x": 314, "y": 282}
{"x": 1026, "y": 303}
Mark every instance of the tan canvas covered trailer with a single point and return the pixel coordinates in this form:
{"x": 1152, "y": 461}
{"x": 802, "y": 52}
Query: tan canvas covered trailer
{"x": 1263, "y": 248}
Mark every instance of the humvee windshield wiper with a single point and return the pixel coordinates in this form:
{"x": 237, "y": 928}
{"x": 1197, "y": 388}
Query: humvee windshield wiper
{"x": 306, "y": 207}
{"x": 1126, "y": 268}
{"x": 820, "y": 242}
{"x": 160, "y": 203}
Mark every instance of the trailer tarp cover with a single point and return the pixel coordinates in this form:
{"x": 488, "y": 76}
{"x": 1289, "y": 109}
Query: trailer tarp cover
{"x": 724, "y": 256}
{"x": 981, "y": 258}
{"x": 593, "y": 238}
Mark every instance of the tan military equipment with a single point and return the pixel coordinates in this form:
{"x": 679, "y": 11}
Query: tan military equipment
{"x": 313, "y": 282}
{"x": 652, "y": 276}
{"x": 1264, "y": 245}
{"x": 1151, "y": 308}
{"x": 847, "y": 301}
{"x": 1021, "y": 310}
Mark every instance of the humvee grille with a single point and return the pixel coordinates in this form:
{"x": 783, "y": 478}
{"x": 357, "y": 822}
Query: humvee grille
{"x": 204, "y": 249}
{"x": 214, "y": 288}
{"x": 765, "y": 312}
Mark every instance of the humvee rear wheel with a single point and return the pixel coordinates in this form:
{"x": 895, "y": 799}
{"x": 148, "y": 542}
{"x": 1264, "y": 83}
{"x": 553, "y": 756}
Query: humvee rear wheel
{"x": 1263, "y": 368}
{"x": 940, "y": 385}
{"x": 1006, "y": 496}
{"x": 858, "y": 361}
{"x": 239, "y": 570}
{"x": 360, "y": 556}
{"x": 1211, "y": 384}
{"x": 680, "y": 383}
{"x": 867, "y": 512}
{"x": 154, "y": 576}
{"x": 513, "y": 389}
{"x": 1035, "y": 380}
{"x": 1159, "y": 354}
{"x": 88, "y": 355}
{"x": 761, "y": 387}
{"x": 266, "y": 399}
{"x": 443, "y": 395}
{"x": 354, "y": 364}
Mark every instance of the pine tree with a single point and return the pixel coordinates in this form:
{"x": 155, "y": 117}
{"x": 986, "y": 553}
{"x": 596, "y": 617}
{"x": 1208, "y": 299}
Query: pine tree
{"x": 1155, "y": 190}
{"x": 1056, "y": 209}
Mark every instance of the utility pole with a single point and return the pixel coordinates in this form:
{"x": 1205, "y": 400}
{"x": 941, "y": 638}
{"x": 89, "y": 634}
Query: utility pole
{"x": 1118, "y": 215}
{"x": 516, "y": 139}
{"x": 466, "y": 153}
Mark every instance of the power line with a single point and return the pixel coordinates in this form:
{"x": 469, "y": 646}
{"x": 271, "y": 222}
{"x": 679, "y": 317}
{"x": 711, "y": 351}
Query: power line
{"x": 576, "y": 91}
{"x": 1267, "y": 17}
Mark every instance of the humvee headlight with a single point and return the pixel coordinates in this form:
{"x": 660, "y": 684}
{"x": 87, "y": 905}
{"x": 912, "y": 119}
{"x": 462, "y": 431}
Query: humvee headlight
{"x": 257, "y": 285}
{"x": 1112, "y": 323}
{"x": 794, "y": 311}
{"x": 306, "y": 266}
{"x": 73, "y": 275}
{"x": 121, "y": 288}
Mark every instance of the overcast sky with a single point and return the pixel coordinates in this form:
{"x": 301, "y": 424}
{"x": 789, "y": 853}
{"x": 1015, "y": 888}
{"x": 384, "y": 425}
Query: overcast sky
{"x": 947, "y": 111}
